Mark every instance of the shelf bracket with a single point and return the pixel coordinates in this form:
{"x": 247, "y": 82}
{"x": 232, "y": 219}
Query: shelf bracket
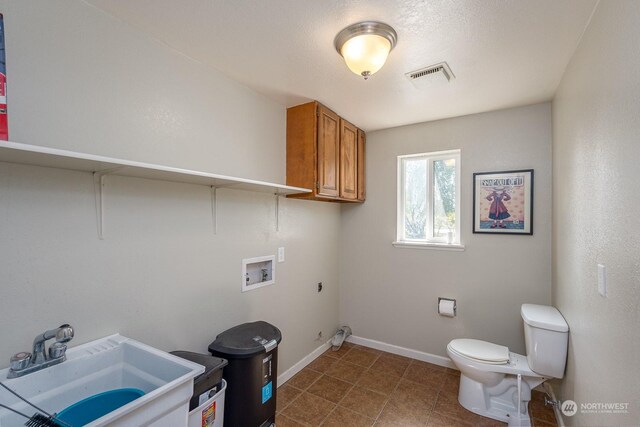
{"x": 98, "y": 191}
{"x": 277, "y": 211}
{"x": 214, "y": 209}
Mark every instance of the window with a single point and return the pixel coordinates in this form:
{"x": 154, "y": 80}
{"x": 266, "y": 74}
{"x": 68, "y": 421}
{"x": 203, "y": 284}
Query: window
{"x": 429, "y": 199}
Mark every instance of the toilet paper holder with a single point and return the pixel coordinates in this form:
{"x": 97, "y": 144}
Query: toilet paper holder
{"x": 455, "y": 306}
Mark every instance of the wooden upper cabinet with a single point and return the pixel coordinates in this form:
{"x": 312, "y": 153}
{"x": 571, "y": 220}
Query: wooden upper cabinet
{"x": 361, "y": 166}
{"x": 348, "y": 160}
{"x": 323, "y": 154}
{"x": 328, "y": 152}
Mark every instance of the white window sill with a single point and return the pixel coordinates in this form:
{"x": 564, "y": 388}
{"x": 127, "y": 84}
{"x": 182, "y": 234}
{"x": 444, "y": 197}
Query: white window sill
{"x": 428, "y": 245}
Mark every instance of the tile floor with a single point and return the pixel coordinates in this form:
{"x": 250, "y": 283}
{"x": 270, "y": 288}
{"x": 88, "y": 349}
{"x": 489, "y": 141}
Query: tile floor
{"x": 359, "y": 386}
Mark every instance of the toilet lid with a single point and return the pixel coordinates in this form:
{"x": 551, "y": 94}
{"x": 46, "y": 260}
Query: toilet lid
{"x": 481, "y": 350}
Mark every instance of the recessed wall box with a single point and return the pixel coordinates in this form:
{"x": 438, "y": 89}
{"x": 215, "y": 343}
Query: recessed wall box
{"x": 258, "y": 272}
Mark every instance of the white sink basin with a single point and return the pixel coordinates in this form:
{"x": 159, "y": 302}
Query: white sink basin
{"x": 102, "y": 365}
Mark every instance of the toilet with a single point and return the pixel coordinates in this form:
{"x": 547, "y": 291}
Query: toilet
{"x": 497, "y": 383}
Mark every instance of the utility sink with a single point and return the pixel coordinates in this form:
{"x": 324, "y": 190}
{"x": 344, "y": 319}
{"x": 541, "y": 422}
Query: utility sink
{"x": 106, "y": 364}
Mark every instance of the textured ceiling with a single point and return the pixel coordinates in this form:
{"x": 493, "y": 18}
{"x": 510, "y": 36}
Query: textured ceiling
{"x": 503, "y": 53}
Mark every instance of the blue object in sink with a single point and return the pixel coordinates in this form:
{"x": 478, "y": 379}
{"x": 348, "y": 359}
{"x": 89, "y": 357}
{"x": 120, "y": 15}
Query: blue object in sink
{"x": 93, "y": 407}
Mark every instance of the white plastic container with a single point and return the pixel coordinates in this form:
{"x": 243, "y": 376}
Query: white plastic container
{"x": 211, "y": 412}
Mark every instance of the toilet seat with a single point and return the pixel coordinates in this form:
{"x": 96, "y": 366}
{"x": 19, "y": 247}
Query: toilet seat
{"x": 481, "y": 351}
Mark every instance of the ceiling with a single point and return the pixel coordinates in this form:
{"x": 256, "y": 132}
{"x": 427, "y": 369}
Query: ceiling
{"x": 502, "y": 53}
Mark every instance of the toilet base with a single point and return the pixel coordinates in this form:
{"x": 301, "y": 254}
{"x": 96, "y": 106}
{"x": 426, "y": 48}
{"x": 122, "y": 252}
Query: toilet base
{"x": 500, "y": 401}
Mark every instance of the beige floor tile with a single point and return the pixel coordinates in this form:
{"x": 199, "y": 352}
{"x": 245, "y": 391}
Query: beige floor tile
{"x": 346, "y": 371}
{"x": 425, "y": 373}
{"x": 390, "y": 366}
{"x": 396, "y": 358}
{"x": 395, "y": 416}
{"x": 376, "y": 380}
{"x": 282, "y": 421}
{"x": 542, "y": 413}
{"x": 309, "y": 409}
{"x": 540, "y": 423}
{"x": 439, "y": 420}
{"x": 330, "y": 388}
{"x": 369, "y": 349}
{"x": 303, "y": 379}
{"x": 448, "y": 406}
{"x": 451, "y": 385}
{"x": 429, "y": 365}
{"x": 342, "y": 417}
{"x": 360, "y": 357}
{"x": 423, "y": 395}
{"x": 322, "y": 363}
{"x": 285, "y": 395}
{"x": 365, "y": 402}
{"x": 450, "y": 371}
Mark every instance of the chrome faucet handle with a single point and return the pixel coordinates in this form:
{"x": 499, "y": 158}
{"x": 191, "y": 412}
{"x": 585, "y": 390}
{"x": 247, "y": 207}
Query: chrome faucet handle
{"x": 57, "y": 350}
{"x": 19, "y": 361}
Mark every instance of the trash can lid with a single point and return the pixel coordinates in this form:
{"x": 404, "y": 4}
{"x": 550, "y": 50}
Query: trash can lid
{"x": 211, "y": 364}
{"x": 246, "y": 340}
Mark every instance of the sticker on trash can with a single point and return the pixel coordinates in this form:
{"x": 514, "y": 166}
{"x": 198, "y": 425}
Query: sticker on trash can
{"x": 209, "y": 415}
{"x": 267, "y": 392}
{"x": 268, "y": 345}
{"x": 267, "y": 381}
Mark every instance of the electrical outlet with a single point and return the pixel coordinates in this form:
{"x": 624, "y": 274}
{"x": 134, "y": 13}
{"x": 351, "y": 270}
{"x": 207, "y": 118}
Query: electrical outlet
{"x": 280, "y": 254}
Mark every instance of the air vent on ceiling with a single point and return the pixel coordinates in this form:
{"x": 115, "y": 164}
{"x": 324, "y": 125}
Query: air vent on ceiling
{"x": 438, "y": 73}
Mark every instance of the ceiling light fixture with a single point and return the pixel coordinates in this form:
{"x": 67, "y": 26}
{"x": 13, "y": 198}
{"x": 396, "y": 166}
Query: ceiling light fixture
{"x": 365, "y": 46}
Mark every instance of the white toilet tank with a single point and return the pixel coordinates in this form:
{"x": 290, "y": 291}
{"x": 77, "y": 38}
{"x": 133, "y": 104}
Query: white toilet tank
{"x": 546, "y": 335}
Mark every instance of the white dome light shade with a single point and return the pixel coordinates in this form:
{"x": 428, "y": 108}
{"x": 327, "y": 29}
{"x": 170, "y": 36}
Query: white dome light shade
{"x": 365, "y": 46}
{"x": 366, "y": 54}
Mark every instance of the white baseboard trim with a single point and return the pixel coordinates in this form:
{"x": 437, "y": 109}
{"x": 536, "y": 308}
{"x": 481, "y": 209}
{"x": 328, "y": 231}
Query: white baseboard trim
{"x": 402, "y": 351}
{"x": 556, "y": 410}
{"x": 286, "y": 375}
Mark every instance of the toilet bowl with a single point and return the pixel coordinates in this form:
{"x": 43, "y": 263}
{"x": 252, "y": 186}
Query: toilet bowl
{"x": 497, "y": 383}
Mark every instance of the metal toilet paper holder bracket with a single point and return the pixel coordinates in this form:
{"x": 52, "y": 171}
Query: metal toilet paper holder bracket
{"x": 455, "y": 305}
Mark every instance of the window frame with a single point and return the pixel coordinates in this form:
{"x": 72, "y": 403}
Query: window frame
{"x": 429, "y": 241}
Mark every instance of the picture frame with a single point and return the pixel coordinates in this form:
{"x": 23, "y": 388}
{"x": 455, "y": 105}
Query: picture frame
{"x": 503, "y": 202}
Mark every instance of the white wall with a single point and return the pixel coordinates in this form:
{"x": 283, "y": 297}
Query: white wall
{"x": 390, "y": 294}
{"x": 596, "y": 204}
{"x": 81, "y": 80}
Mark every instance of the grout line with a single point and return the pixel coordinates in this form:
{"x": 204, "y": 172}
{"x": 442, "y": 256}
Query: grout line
{"x": 389, "y": 398}
{"x": 316, "y": 380}
{"x": 348, "y": 391}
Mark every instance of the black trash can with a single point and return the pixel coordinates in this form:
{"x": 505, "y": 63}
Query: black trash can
{"x": 251, "y": 375}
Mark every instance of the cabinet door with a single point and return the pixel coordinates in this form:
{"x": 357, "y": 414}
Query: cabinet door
{"x": 361, "y": 172}
{"x": 348, "y": 160}
{"x": 328, "y": 152}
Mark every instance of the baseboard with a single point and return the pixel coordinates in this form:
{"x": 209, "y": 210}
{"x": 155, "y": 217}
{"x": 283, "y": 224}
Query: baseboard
{"x": 402, "y": 351}
{"x": 556, "y": 409}
{"x": 286, "y": 375}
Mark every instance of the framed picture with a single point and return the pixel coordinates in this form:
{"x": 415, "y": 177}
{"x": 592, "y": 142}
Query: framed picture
{"x": 503, "y": 202}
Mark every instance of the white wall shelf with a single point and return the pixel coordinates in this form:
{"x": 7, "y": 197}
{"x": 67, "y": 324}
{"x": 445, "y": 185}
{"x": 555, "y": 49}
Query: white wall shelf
{"x": 14, "y": 152}
{"x": 100, "y": 166}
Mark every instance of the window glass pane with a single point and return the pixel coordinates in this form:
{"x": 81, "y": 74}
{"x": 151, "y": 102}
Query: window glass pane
{"x": 444, "y": 197}
{"x": 415, "y": 198}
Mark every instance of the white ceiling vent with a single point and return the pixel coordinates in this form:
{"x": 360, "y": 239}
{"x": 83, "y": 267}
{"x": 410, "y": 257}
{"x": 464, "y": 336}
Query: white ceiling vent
{"x": 433, "y": 74}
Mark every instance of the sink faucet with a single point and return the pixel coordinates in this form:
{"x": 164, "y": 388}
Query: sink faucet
{"x": 24, "y": 363}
